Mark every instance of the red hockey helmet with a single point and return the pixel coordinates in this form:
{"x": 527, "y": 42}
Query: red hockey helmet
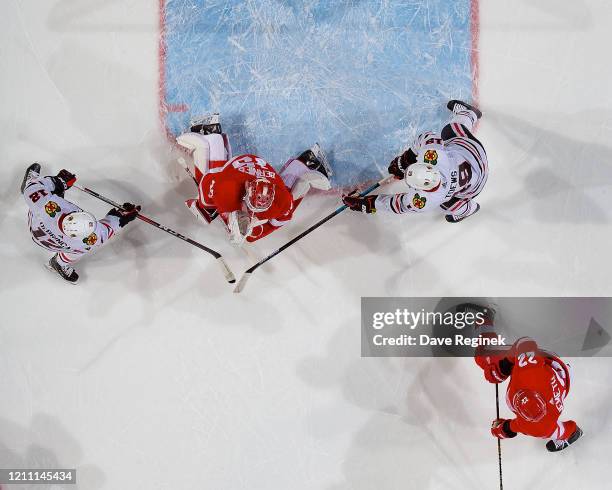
{"x": 259, "y": 195}
{"x": 529, "y": 405}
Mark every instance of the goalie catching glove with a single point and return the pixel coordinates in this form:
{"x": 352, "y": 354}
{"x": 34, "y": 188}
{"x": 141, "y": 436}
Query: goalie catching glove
{"x": 366, "y": 204}
{"x": 239, "y": 226}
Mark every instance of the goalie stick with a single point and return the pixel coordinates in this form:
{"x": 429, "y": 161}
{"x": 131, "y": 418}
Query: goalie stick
{"x": 229, "y": 276}
{"x": 247, "y": 274}
{"x": 185, "y": 166}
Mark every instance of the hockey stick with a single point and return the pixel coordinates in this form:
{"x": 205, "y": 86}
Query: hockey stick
{"x": 501, "y": 481}
{"x": 247, "y": 274}
{"x": 183, "y": 163}
{"x": 229, "y": 276}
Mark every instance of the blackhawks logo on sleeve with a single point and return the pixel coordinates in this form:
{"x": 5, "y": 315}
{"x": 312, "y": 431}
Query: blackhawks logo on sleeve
{"x": 419, "y": 201}
{"x": 90, "y": 240}
{"x": 431, "y": 157}
{"x": 52, "y": 208}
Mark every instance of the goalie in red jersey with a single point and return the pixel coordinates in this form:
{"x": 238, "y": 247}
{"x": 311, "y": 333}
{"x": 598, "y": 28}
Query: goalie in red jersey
{"x": 252, "y": 199}
{"x": 539, "y": 381}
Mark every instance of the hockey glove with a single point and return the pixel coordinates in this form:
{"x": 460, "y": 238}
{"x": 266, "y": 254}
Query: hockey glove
{"x": 126, "y": 214}
{"x": 399, "y": 164}
{"x": 495, "y": 370}
{"x": 63, "y": 181}
{"x": 395, "y": 170}
{"x": 495, "y": 365}
{"x": 500, "y": 428}
{"x": 365, "y": 204}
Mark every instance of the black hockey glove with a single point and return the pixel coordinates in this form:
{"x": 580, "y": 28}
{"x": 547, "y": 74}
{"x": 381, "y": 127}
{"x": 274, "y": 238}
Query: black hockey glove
{"x": 63, "y": 181}
{"x": 398, "y": 165}
{"x": 127, "y": 214}
{"x": 365, "y": 204}
{"x": 395, "y": 170}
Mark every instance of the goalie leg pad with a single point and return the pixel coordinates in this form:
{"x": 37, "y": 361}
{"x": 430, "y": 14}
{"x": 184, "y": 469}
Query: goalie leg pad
{"x": 312, "y": 179}
{"x": 198, "y": 147}
{"x": 208, "y": 151}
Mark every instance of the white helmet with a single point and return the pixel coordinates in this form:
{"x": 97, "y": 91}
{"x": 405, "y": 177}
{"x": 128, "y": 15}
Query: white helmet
{"x": 78, "y": 224}
{"x": 426, "y": 173}
{"x": 423, "y": 176}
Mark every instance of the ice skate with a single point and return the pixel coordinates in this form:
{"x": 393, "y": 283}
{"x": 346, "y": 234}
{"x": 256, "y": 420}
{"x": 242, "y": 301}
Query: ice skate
{"x": 66, "y": 272}
{"x": 555, "y": 445}
{"x": 315, "y": 159}
{"x": 457, "y": 106}
{"x": 206, "y": 124}
{"x": 452, "y": 219}
{"x": 31, "y": 172}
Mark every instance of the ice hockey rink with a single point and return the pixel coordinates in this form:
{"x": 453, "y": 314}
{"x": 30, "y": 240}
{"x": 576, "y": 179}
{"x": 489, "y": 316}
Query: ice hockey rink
{"x": 152, "y": 374}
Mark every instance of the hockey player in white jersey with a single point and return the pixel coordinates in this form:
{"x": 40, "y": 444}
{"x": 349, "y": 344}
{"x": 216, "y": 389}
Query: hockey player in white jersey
{"x": 444, "y": 172}
{"x": 62, "y": 227}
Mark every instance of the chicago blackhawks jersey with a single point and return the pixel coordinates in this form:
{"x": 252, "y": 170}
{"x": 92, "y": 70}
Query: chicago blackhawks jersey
{"x": 462, "y": 163}
{"x": 47, "y": 211}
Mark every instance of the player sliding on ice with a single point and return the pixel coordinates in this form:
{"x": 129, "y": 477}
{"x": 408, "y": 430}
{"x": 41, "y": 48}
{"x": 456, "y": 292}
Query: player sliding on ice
{"x": 444, "y": 172}
{"x": 252, "y": 199}
{"x": 539, "y": 383}
{"x": 62, "y": 227}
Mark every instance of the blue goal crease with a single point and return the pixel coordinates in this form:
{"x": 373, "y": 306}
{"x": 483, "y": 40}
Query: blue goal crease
{"x": 360, "y": 77}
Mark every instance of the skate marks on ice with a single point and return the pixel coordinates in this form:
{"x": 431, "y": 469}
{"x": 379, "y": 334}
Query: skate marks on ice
{"x": 361, "y": 77}
{"x": 420, "y": 430}
{"x": 116, "y": 16}
{"x": 543, "y": 15}
{"x": 561, "y": 179}
{"x": 30, "y": 447}
{"x": 546, "y": 206}
{"x": 104, "y": 91}
{"x": 425, "y": 429}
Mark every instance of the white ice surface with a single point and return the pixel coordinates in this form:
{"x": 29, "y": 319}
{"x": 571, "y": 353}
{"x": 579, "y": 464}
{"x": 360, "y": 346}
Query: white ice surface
{"x": 151, "y": 374}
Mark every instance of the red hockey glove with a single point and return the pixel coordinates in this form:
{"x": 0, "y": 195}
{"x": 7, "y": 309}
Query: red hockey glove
{"x": 493, "y": 361}
{"x": 496, "y": 369}
{"x": 500, "y": 428}
{"x": 492, "y": 368}
{"x": 365, "y": 204}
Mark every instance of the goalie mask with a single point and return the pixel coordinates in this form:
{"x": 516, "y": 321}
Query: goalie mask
{"x": 259, "y": 195}
{"x": 78, "y": 225}
{"x": 529, "y": 405}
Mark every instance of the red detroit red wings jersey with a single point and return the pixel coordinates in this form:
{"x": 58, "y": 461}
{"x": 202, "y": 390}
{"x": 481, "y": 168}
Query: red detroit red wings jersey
{"x": 544, "y": 373}
{"x": 224, "y": 187}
